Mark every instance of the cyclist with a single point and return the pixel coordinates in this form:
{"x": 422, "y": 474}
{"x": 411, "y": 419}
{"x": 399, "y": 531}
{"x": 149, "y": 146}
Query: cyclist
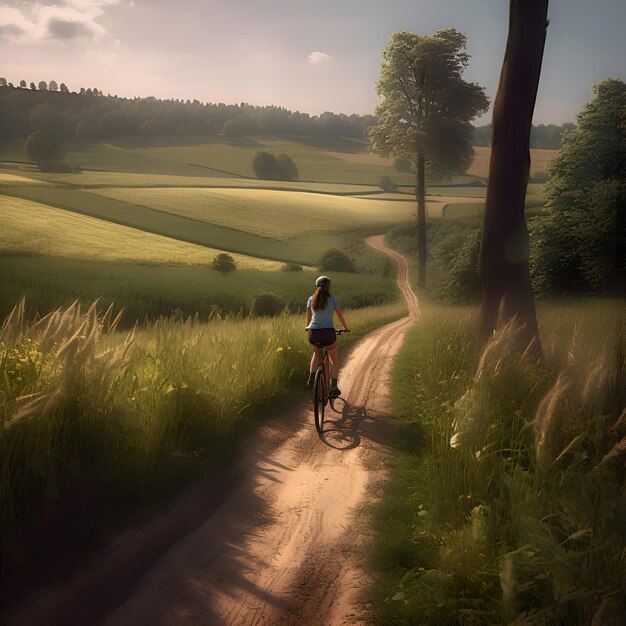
{"x": 320, "y": 308}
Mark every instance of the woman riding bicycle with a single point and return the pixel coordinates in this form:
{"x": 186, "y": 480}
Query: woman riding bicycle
{"x": 319, "y": 323}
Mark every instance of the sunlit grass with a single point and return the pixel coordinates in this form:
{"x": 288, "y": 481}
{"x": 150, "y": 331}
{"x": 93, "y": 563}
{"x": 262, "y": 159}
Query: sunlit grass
{"x": 32, "y": 227}
{"x": 96, "y": 421}
{"x": 277, "y": 214}
{"x": 8, "y": 178}
{"x": 512, "y": 500}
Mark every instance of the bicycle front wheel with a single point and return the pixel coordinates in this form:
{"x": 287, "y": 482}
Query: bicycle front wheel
{"x": 319, "y": 399}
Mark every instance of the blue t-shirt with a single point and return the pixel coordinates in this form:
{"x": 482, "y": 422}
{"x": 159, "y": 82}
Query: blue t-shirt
{"x": 323, "y": 318}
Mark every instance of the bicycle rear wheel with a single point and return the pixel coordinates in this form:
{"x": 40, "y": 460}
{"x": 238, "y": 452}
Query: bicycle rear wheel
{"x": 319, "y": 399}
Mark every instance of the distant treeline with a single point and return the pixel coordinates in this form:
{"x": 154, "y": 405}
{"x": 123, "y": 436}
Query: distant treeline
{"x": 542, "y": 136}
{"x": 89, "y": 115}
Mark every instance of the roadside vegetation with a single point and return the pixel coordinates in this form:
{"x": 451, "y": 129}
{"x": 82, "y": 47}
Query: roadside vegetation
{"x": 505, "y": 500}
{"x": 98, "y": 423}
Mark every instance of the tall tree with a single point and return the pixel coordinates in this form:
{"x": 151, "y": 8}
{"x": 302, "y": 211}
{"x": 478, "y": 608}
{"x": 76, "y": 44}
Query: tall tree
{"x": 504, "y": 251}
{"x": 426, "y": 111}
{"x": 42, "y": 85}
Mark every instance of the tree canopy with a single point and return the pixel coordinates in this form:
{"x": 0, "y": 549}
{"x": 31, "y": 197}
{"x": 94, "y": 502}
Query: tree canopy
{"x": 40, "y": 147}
{"x": 426, "y": 110}
{"x": 268, "y": 167}
{"x": 581, "y": 244}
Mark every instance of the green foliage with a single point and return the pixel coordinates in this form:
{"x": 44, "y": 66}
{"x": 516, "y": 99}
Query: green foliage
{"x": 402, "y": 164}
{"x": 240, "y": 127}
{"x": 427, "y": 116}
{"x": 334, "y": 260}
{"x": 287, "y": 167}
{"x": 268, "y": 167}
{"x": 581, "y": 244}
{"x": 513, "y": 511}
{"x": 224, "y": 263}
{"x": 266, "y": 304}
{"x": 150, "y": 291}
{"x": 128, "y": 416}
{"x": 387, "y": 185}
{"x": 40, "y": 147}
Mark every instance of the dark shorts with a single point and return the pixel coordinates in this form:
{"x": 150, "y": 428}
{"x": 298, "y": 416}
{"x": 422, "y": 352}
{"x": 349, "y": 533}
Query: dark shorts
{"x": 327, "y": 336}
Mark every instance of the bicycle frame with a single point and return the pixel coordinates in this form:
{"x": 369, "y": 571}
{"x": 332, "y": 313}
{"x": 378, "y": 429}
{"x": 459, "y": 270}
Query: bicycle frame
{"x": 321, "y": 386}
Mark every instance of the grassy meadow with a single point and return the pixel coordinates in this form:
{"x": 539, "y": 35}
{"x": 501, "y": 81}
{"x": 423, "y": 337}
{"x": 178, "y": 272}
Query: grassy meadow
{"x": 505, "y": 501}
{"x": 98, "y": 422}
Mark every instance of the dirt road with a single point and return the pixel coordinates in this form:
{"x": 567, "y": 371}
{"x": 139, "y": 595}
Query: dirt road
{"x": 281, "y": 547}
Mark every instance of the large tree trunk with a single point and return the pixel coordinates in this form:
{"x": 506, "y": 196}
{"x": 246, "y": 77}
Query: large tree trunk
{"x": 504, "y": 251}
{"x": 420, "y": 192}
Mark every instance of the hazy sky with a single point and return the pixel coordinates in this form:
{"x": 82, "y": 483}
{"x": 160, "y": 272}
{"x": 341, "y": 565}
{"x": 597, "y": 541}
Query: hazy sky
{"x": 307, "y": 55}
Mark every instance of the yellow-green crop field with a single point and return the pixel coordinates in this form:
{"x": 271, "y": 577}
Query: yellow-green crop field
{"x": 276, "y": 214}
{"x": 11, "y": 178}
{"x": 32, "y": 227}
{"x": 539, "y": 160}
{"x": 91, "y": 179}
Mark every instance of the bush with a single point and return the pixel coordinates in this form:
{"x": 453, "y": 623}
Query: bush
{"x": 334, "y": 260}
{"x": 267, "y": 167}
{"x": 266, "y": 305}
{"x": 287, "y": 167}
{"x": 387, "y": 185}
{"x": 291, "y": 267}
{"x": 58, "y": 167}
{"x": 224, "y": 263}
{"x": 40, "y": 147}
{"x": 402, "y": 164}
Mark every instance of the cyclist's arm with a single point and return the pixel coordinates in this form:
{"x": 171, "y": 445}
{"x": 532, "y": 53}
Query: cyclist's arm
{"x": 341, "y": 319}
{"x": 309, "y": 315}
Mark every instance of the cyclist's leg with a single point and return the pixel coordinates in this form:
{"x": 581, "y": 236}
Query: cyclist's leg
{"x": 334, "y": 360}
{"x": 316, "y": 359}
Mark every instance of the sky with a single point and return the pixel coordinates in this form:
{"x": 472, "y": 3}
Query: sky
{"x": 306, "y": 55}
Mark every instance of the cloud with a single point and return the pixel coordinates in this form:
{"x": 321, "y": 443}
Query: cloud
{"x": 319, "y": 57}
{"x": 64, "y": 29}
{"x": 63, "y": 20}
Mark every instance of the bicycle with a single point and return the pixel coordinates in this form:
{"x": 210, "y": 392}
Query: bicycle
{"x": 321, "y": 387}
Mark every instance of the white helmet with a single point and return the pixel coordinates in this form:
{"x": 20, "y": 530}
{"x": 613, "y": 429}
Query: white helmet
{"x": 322, "y": 281}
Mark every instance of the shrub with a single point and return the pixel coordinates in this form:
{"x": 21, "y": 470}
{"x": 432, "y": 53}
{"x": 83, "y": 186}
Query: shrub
{"x": 334, "y": 260}
{"x": 387, "y": 185}
{"x": 402, "y": 164}
{"x": 265, "y": 166}
{"x": 224, "y": 263}
{"x": 268, "y": 167}
{"x": 40, "y": 147}
{"x": 266, "y": 305}
{"x": 287, "y": 167}
{"x": 291, "y": 267}
{"x": 58, "y": 167}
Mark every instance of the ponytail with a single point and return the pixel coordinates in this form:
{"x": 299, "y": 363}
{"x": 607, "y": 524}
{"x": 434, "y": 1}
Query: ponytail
{"x": 320, "y": 298}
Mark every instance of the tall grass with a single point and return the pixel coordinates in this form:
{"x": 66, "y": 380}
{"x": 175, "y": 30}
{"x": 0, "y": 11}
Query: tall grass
{"x": 521, "y": 476}
{"x": 96, "y": 421}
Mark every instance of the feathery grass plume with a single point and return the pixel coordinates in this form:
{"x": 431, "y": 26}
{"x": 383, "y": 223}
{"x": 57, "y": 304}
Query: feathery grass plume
{"x": 546, "y": 419}
{"x": 616, "y": 451}
{"x": 480, "y": 411}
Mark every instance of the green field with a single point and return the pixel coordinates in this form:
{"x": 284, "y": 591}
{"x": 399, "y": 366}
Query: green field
{"x": 28, "y": 227}
{"x": 285, "y": 214}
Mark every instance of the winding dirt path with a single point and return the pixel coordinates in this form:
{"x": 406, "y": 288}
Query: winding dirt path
{"x": 279, "y": 545}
